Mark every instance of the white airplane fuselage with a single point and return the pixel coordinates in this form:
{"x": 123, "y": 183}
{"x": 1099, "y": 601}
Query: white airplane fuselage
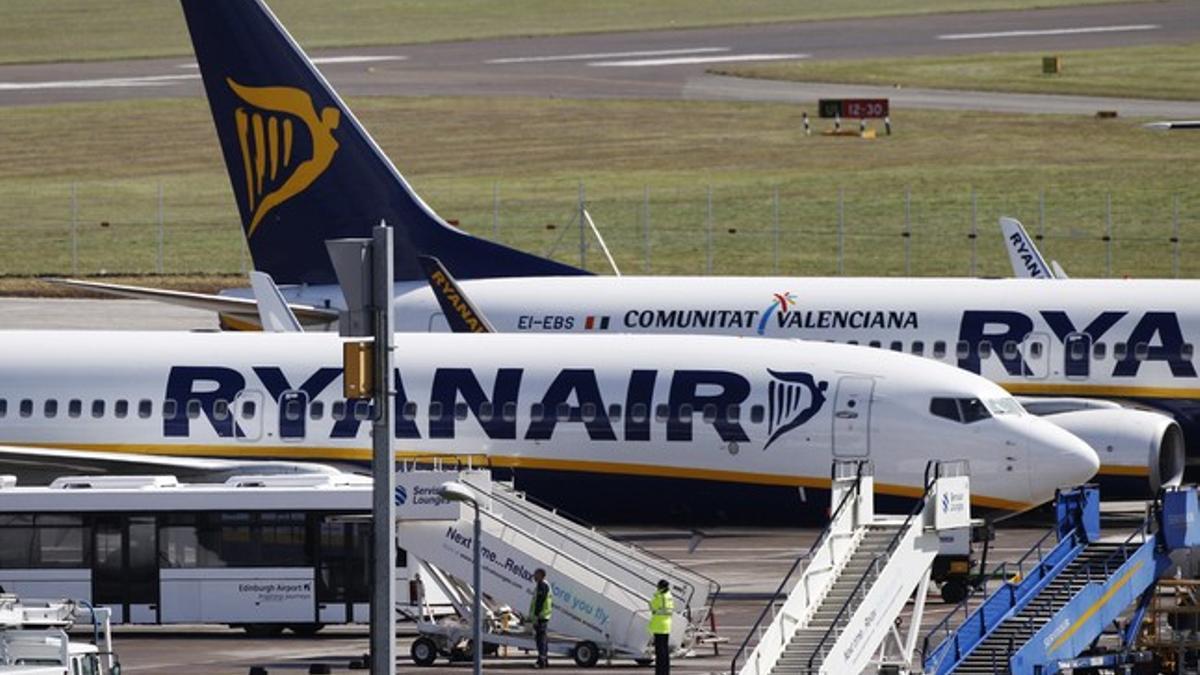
{"x": 713, "y": 416}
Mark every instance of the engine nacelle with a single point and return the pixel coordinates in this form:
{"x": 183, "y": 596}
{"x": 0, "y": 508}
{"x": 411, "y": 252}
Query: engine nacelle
{"x": 1129, "y": 438}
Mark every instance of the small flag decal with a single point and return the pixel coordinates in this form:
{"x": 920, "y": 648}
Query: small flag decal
{"x": 596, "y": 323}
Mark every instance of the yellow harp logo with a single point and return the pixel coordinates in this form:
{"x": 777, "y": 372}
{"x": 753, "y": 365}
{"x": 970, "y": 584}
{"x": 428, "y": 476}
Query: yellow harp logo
{"x": 266, "y": 136}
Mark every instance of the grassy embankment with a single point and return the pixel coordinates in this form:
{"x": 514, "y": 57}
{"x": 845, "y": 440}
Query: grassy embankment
{"x": 536, "y": 152}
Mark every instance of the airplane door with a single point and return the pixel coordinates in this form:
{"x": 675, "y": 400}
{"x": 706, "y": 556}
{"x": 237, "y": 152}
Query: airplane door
{"x": 852, "y": 417}
{"x": 293, "y": 409}
{"x": 248, "y": 412}
{"x": 1077, "y": 353}
{"x": 1036, "y": 352}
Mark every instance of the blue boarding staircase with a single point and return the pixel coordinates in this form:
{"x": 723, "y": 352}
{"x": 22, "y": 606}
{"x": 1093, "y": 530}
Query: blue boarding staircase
{"x": 1057, "y": 599}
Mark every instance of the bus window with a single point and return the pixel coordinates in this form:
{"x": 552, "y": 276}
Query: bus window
{"x": 43, "y": 541}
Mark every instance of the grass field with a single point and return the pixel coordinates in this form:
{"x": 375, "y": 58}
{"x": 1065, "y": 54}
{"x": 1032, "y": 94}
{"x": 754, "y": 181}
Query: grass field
{"x": 1159, "y": 71}
{"x": 65, "y": 30}
{"x": 523, "y": 160}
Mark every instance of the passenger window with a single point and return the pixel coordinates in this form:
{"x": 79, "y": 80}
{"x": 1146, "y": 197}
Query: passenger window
{"x": 638, "y": 413}
{"x": 852, "y": 342}
{"x": 537, "y": 412}
{"x": 1141, "y": 350}
{"x": 896, "y": 346}
{"x": 733, "y": 412}
{"x": 1078, "y": 350}
{"x": 962, "y": 349}
{"x": 121, "y": 409}
{"x": 614, "y": 412}
{"x": 1119, "y": 351}
{"x": 50, "y": 409}
{"x": 939, "y": 349}
{"x": 338, "y": 410}
{"x": 1186, "y": 351}
{"x": 26, "y": 407}
{"x": 918, "y": 348}
{"x": 1035, "y": 350}
{"x": 1011, "y": 349}
{"x": 74, "y": 408}
{"x": 588, "y": 412}
{"x": 1098, "y": 351}
{"x": 661, "y": 412}
{"x": 460, "y": 411}
{"x": 362, "y": 410}
{"x": 316, "y": 410}
{"x": 249, "y": 410}
{"x": 710, "y": 413}
{"x": 562, "y": 411}
{"x": 98, "y": 408}
{"x": 145, "y": 408}
{"x": 291, "y": 410}
{"x": 945, "y": 407}
{"x": 685, "y": 412}
{"x": 3, "y": 407}
{"x": 509, "y": 411}
{"x": 409, "y": 412}
{"x": 875, "y": 343}
{"x": 435, "y": 410}
{"x": 486, "y": 411}
{"x": 193, "y": 409}
{"x": 756, "y": 414}
{"x": 985, "y": 350}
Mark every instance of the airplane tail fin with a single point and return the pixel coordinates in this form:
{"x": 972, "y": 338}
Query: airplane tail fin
{"x": 303, "y": 168}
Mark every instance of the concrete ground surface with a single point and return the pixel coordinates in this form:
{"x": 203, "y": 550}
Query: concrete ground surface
{"x": 748, "y": 563}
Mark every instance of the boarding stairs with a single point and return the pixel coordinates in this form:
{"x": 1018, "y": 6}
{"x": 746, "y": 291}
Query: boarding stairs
{"x": 856, "y": 579}
{"x": 601, "y": 587}
{"x": 1056, "y": 601}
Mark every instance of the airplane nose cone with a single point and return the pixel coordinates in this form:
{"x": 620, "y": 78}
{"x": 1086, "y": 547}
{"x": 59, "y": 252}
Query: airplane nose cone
{"x": 1059, "y": 459}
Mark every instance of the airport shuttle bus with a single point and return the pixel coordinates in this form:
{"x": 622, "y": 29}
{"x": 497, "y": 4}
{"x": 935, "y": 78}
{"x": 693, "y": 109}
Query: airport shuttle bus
{"x": 261, "y": 552}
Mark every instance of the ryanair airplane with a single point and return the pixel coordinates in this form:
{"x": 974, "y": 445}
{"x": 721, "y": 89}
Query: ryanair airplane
{"x": 1099, "y": 354}
{"x": 713, "y": 427}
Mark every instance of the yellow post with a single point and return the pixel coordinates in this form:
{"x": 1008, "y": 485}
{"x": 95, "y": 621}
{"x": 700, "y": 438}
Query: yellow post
{"x": 358, "y": 380}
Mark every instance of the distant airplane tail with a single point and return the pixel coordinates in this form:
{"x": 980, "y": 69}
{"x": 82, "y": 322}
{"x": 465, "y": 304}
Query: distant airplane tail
{"x": 304, "y": 170}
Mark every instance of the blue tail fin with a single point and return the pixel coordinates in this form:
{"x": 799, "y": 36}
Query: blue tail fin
{"x": 304, "y": 170}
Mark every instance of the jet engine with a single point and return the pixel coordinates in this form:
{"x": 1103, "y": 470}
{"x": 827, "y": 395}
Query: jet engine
{"x": 1126, "y": 437}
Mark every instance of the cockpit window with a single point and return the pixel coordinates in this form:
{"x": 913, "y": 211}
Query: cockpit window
{"x": 1005, "y": 406}
{"x": 964, "y": 410}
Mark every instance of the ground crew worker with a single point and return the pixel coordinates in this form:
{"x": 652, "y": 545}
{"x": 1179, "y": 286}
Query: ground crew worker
{"x": 662, "y": 606}
{"x": 539, "y": 612}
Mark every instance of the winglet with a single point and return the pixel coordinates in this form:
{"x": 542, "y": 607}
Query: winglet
{"x": 461, "y": 314}
{"x": 273, "y": 311}
{"x": 1027, "y": 261}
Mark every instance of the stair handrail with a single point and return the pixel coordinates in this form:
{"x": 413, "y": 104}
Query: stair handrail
{"x": 1001, "y": 571}
{"x": 691, "y": 589}
{"x": 872, "y": 571}
{"x": 713, "y": 585}
{"x": 774, "y": 601}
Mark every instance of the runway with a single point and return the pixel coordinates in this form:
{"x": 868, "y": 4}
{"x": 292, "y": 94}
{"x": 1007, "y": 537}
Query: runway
{"x": 672, "y": 64}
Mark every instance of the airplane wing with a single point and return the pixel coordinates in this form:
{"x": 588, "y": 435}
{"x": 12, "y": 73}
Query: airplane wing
{"x": 1177, "y": 124}
{"x": 274, "y": 314}
{"x": 39, "y": 466}
{"x": 1059, "y": 272}
{"x": 1027, "y": 261}
{"x": 461, "y": 314}
{"x": 238, "y": 313}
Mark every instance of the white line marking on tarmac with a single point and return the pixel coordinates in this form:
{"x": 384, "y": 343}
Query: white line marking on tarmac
{"x": 688, "y": 60}
{"x": 1050, "y": 31}
{"x": 146, "y": 81}
{"x": 323, "y": 60}
{"x": 608, "y": 55}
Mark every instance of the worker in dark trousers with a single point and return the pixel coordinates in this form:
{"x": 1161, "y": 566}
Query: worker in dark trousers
{"x": 662, "y": 606}
{"x": 539, "y": 613}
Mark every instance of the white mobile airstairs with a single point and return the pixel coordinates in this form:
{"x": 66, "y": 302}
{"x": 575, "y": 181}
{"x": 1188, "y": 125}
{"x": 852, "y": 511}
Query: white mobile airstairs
{"x": 856, "y": 580}
{"x": 600, "y": 587}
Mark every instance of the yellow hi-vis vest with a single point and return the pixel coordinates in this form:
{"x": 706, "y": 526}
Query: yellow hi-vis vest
{"x": 662, "y": 606}
{"x": 547, "y": 606}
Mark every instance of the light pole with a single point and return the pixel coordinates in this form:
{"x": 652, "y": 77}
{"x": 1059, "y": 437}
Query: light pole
{"x": 457, "y": 492}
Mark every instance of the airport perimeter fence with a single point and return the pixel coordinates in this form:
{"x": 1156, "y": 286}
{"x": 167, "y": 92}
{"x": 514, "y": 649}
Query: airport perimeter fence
{"x": 147, "y": 227}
